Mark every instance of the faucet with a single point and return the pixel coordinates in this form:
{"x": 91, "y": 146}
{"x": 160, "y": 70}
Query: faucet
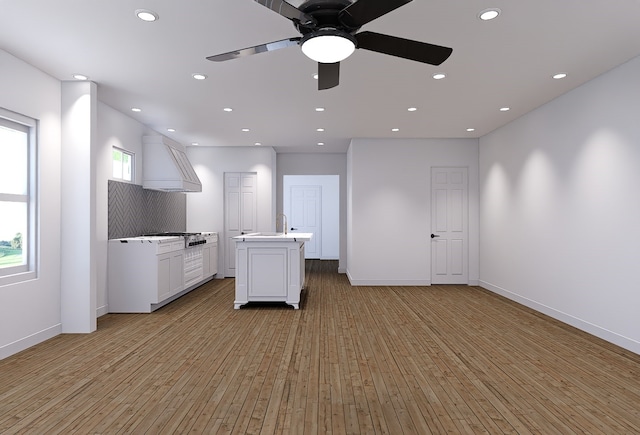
{"x": 284, "y": 222}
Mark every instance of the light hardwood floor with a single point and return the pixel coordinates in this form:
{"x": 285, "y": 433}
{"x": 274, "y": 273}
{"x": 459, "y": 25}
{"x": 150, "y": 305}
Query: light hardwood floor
{"x": 414, "y": 360}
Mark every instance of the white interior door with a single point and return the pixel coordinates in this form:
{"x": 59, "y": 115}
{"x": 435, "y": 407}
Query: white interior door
{"x": 305, "y": 216}
{"x": 449, "y": 226}
{"x": 240, "y": 213}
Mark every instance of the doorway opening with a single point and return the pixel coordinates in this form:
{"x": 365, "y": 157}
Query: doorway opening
{"x": 312, "y": 205}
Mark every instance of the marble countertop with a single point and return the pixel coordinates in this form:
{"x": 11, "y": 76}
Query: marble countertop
{"x": 274, "y": 237}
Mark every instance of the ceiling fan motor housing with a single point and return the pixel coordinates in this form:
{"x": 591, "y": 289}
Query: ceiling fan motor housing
{"x": 326, "y": 14}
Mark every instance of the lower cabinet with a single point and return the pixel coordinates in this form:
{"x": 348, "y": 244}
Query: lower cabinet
{"x": 269, "y": 272}
{"x": 170, "y": 274}
{"x": 139, "y": 278}
{"x": 143, "y": 276}
{"x": 210, "y": 259}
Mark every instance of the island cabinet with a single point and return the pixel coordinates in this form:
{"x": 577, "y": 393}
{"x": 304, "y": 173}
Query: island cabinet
{"x": 270, "y": 268}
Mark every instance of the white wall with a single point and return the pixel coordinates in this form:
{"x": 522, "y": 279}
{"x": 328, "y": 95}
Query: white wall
{"x": 560, "y": 207}
{"x": 318, "y": 164}
{"x": 205, "y": 210}
{"x": 30, "y": 311}
{"x": 389, "y": 214}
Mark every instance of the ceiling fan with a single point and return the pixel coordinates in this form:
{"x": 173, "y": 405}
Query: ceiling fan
{"x": 328, "y": 29}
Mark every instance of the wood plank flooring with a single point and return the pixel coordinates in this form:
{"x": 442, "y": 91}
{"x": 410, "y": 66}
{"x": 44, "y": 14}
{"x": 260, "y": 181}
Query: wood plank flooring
{"x": 390, "y": 360}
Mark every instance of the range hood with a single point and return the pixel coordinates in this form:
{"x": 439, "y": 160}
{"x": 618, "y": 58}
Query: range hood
{"x": 165, "y": 166}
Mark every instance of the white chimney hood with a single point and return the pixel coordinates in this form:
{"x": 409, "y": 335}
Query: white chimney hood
{"x": 165, "y": 166}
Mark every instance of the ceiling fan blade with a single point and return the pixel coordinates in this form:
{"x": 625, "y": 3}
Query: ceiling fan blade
{"x": 405, "y": 48}
{"x": 271, "y": 46}
{"x": 361, "y": 12}
{"x": 328, "y": 75}
{"x": 288, "y": 11}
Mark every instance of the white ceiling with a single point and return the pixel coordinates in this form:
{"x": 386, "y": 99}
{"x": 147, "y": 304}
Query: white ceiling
{"x": 505, "y": 62}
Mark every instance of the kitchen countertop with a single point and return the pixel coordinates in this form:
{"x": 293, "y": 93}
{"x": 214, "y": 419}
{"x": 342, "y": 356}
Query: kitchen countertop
{"x": 274, "y": 237}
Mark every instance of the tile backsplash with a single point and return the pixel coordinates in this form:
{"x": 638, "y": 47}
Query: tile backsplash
{"x": 134, "y": 211}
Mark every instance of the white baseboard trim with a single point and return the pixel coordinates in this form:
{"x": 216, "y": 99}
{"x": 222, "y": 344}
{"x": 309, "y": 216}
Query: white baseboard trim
{"x": 342, "y": 270}
{"x": 389, "y": 282}
{"x": 101, "y": 311}
{"x": 583, "y": 325}
{"x": 33, "y": 339}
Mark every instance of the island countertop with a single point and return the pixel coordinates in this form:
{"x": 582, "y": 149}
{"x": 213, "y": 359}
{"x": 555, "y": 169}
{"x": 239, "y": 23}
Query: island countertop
{"x": 274, "y": 237}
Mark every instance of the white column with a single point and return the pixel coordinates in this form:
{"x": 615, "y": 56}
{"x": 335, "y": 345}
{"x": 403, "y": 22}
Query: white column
{"x": 78, "y": 247}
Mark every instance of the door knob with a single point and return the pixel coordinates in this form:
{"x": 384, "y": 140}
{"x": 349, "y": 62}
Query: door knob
{"x": 293, "y": 229}
{"x": 433, "y": 236}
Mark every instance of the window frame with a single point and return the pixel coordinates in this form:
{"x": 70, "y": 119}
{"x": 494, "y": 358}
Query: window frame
{"x": 27, "y": 271}
{"x": 132, "y": 157}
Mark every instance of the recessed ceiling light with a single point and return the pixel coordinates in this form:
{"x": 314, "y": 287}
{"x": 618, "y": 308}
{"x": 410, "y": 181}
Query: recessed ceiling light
{"x": 505, "y": 109}
{"x": 147, "y": 15}
{"x": 195, "y": 143}
{"x": 395, "y": 129}
{"x": 319, "y": 129}
{"x": 135, "y": 109}
{"x": 471, "y": 129}
{"x": 80, "y": 77}
{"x": 171, "y": 130}
{"x": 319, "y": 109}
{"x": 257, "y": 144}
{"x": 245, "y": 129}
{"x": 198, "y": 76}
{"x": 412, "y": 109}
{"x": 489, "y": 14}
{"x": 228, "y": 109}
{"x": 320, "y": 143}
{"x": 439, "y": 76}
{"x": 559, "y": 76}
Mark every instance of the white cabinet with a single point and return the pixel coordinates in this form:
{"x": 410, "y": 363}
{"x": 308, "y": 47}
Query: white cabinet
{"x": 142, "y": 274}
{"x": 170, "y": 275}
{"x": 147, "y": 272}
{"x": 269, "y": 270}
{"x": 210, "y": 256}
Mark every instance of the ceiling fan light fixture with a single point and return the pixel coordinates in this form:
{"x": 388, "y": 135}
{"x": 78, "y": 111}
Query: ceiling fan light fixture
{"x": 328, "y": 45}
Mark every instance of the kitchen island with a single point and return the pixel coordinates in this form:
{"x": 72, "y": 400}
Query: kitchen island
{"x": 270, "y": 268}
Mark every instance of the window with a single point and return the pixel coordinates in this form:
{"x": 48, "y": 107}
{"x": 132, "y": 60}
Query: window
{"x": 17, "y": 197}
{"x": 122, "y": 164}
